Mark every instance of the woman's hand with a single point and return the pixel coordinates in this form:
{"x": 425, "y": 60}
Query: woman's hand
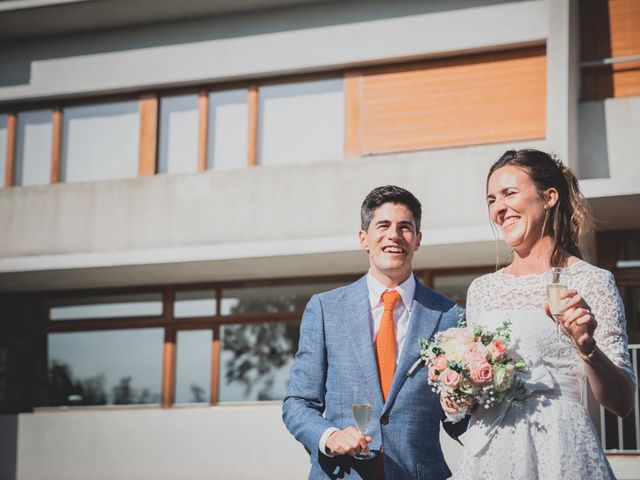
{"x": 578, "y": 323}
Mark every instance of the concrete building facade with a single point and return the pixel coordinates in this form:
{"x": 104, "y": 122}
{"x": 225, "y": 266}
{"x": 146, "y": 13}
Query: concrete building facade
{"x": 163, "y": 159}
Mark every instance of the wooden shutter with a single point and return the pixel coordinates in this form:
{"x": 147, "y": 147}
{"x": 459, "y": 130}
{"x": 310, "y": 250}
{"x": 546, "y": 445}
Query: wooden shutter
{"x": 471, "y": 99}
{"x": 609, "y": 29}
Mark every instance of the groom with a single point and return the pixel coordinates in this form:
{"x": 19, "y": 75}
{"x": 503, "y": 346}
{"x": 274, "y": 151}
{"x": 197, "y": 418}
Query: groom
{"x": 366, "y": 335}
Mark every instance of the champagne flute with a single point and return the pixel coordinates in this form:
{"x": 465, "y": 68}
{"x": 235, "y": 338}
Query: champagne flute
{"x": 557, "y": 284}
{"x": 361, "y": 408}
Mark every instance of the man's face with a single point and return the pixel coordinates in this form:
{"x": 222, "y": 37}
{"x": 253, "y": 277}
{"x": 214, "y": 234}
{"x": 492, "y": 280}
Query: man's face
{"x": 391, "y": 241}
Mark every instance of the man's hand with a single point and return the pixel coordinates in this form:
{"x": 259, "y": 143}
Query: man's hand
{"x": 348, "y": 441}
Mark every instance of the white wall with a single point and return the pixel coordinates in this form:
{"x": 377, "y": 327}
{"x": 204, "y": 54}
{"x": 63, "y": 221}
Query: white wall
{"x": 236, "y": 217}
{"x": 609, "y": 140}
{"x": 238, "y": 442}
{"x": 305, "y": 38}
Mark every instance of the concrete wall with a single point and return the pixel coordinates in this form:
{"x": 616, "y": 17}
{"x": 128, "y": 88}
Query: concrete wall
{"x": 610, "y": 144}
{"x": 288, "y": 40}
{"x": 230, "y": 216}
{"x": 242, "y": 442}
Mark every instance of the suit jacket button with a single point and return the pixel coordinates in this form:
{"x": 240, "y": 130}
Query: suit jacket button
{"x": 384, "y": 420}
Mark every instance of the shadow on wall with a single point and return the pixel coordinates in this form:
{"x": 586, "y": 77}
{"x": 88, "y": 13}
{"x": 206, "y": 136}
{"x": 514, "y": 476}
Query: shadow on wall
{"x": 19, "y": 56}
{"x": 8, "y": 446}
{"x": 592, "y": 145}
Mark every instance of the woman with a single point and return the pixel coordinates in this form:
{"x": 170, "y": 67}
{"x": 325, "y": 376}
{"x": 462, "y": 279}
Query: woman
{"x": 536, "y": 204}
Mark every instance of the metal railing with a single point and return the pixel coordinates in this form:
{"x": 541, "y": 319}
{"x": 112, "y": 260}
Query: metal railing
{"x": 619, "y": 435}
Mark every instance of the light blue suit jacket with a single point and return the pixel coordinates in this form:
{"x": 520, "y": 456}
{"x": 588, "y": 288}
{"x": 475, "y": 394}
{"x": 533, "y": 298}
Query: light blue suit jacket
{"x": 335, "y": 354}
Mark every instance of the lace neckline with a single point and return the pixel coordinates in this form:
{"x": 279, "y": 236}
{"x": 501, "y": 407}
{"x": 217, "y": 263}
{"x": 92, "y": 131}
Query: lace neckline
{"x": 529, "y": 275}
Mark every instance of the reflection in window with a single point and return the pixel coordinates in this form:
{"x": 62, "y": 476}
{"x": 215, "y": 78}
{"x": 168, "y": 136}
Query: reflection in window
{"x": 115, "y": 306}
{"x": 276, "y": 299}
{"x": 228, "y": 129}
{"x": 198, "y": 303}
{"x": 301, "y": 122}
{"x": 454, "y": 286}
{"x": 3, "y": 147}
{"x": 193, "y": 366}
{"x": 178, "y": 152}
{"x": 255, "y": 360}
{"x": 100, "y": 141}
{"x": 118, "y": 367}
{"x": 33, "y": 151}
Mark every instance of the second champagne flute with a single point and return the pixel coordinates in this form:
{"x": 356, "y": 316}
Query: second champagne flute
{"x": 361, "y": 408}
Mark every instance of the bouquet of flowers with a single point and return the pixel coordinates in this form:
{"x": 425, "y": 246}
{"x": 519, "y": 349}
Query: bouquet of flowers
{"x": 470, "y": 366}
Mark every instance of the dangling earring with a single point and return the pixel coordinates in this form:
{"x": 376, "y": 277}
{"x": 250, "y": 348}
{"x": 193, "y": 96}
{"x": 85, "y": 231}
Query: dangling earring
{"x": 544, "y": 224}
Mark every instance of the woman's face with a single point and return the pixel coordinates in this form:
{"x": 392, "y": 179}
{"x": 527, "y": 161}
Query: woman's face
{"x": 516, "y": 207}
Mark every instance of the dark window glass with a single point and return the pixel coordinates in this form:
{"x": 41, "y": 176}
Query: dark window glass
{"x": 117, "y": 367}
{"x": 193, "y": 367}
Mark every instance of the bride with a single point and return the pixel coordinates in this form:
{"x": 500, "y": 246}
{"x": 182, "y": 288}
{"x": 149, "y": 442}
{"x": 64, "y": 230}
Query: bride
{"x": 537, "y": 205}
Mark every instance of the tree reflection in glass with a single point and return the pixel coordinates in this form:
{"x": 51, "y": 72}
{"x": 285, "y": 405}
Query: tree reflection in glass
{"x": 257, "y": 357}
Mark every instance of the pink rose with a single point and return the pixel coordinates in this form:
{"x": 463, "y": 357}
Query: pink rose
{"x": 448, "y": 405}
{"x": 450, "y": 378}
{"x": 476, "y": 353}
{"x": 496, "y": 350}
{"x": 481, "y": 373}
{"x": 433, "y": 376}
{"x": 440, "y": 362}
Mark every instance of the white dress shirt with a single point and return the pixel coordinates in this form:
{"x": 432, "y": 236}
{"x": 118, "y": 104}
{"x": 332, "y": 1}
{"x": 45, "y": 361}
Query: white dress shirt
{"x": 401, "y": 316}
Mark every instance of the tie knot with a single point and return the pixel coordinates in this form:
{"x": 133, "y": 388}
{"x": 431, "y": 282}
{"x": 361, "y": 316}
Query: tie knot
{"x": 389, "y": 298}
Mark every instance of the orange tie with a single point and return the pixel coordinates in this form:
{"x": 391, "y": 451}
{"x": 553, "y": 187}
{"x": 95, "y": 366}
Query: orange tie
{"x": 386, "y": 342}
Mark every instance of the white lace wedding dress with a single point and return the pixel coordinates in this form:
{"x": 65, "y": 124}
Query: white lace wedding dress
{"x": 552, "y": 436}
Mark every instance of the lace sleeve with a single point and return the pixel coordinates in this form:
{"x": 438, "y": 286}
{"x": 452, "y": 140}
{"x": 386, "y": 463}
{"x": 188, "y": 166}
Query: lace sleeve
{"x": 602, "y": 295}
{"x": 472, "y": 306}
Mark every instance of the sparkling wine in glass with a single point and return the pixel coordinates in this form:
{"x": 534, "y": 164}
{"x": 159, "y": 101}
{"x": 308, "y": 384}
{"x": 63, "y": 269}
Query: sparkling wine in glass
{"x": 361, "y": 408}
{"x": 557, "y": 284}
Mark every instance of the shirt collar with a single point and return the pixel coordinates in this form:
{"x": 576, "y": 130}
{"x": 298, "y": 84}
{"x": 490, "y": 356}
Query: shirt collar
{"x": 406, "y": 289}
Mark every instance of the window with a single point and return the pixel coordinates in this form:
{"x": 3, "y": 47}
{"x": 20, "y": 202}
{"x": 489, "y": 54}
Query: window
{"x": 120, "y": 367}
{"x": 106, "y": 306}
{"x": 33, "y": 153}
{"x": 193, "y": 366}
{"x": 208, "y": 343}
{"x": 301, "y": 122}
{"x": 228, "y": 136}
{"x": 256, "y": 359}
{"x": 178, "y": 149}
{"x": 100, "y": 141}
{"x": 198, "y": 303}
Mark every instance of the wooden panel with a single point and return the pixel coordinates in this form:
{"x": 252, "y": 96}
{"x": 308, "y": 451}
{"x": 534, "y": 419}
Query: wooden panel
{"x": 468, "y": 100}
{"x": 352, "y": 89}
{"x": 169, "y": 367}
{"x": 215, "y": 366}
{"x": 148, "y": 135}
{"x": 203, "y": 128}
{"x": 56, "y": 144}
{"x": 252, "y": 155}
{"x": 10, "y": 161}
{"x": 610, "y": 29}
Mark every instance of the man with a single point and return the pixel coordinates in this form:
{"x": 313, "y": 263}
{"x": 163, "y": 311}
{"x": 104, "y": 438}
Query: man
{"x": 366, "y": 335}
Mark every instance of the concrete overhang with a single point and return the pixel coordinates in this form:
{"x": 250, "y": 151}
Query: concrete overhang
{"x": 615, "y": 202}
{"x": 21, "y": 19}
{"x": 443, "y": 248}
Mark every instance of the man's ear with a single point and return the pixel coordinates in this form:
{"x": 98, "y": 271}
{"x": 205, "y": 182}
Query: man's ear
{"x": 364, "y": 243}
{"x": 418, "y": 240}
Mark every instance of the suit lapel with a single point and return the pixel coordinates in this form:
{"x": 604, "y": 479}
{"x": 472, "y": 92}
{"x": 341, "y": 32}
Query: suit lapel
{"x": 422, "y": 323}
{"x": 357, "y": 312}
